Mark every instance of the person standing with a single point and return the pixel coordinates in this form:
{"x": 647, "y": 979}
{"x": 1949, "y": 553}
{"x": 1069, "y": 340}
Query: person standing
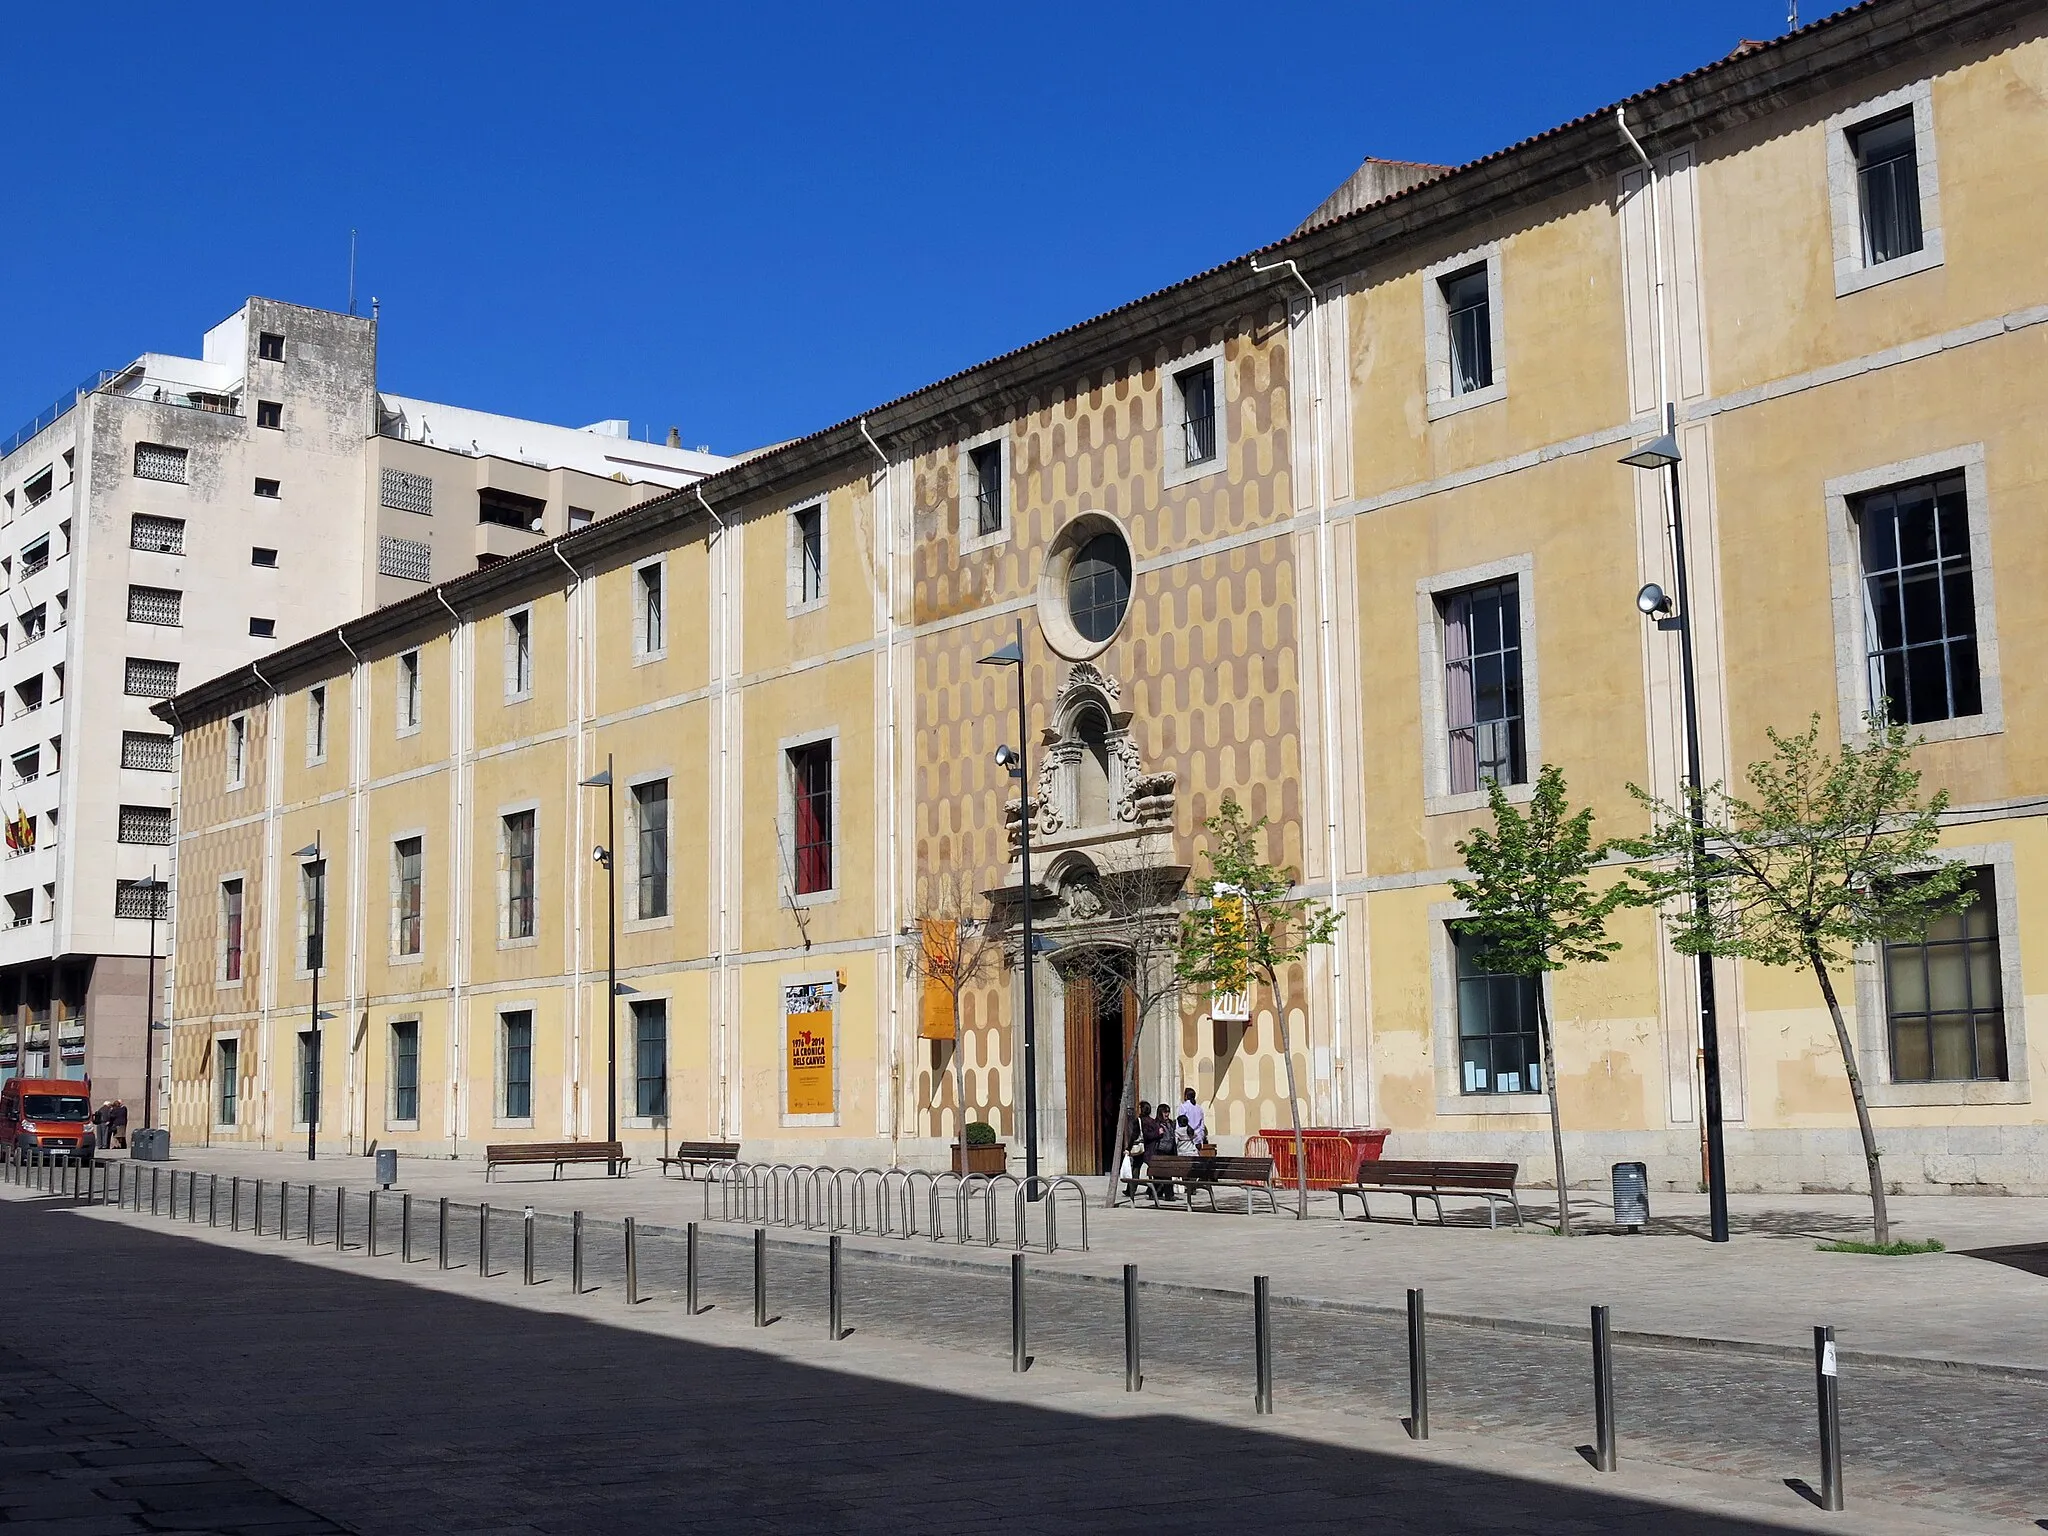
{"x": 1197, "y": 1121}
{"x": 1159, "y": 1143}
{"x": 1134, "y": 1154}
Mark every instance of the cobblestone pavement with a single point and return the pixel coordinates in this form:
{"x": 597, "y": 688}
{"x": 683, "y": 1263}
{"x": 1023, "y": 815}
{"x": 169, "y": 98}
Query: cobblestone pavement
{"x": 73, "y": 1465}
{"x": 1962, "y": 1442}
{"x": 444, "y": 1406}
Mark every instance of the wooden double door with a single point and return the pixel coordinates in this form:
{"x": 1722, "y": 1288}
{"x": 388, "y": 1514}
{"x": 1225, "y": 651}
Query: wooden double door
{"x": 1102, "y": 1021}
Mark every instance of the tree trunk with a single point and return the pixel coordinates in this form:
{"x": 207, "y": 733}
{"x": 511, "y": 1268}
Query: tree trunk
{"x": 959, "y": 1076}
{"x": 1564, "y": 1202}
{"x": 1293, "y": 1100}
{"x": 1880, "y": 1219}
{"x": 1124, "y": 1118}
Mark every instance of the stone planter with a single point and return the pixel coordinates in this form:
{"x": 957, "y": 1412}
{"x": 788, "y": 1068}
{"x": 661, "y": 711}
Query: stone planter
{"x": 995, "y": 1159}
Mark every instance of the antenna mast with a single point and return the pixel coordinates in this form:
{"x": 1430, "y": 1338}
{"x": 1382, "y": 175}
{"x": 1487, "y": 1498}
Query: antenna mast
{"x": 351, "y": 271}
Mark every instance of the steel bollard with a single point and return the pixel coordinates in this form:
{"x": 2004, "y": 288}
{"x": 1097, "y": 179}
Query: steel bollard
{"x": 1418, "y": 1369}
{"x": 760, "y": 1277}
{"x": 483, "y": 1242}
{"x": 156, "y": 1182}
{"x": 340, "y": 1217}
{"x": 405, "y": 1229}
{"x": 1262, "y": 1343}
{"x": 1603, "y": 1394}
{"x": 690, "y": 1269}
{"x": 235, "y": 1203}
{"x": 632, "y": 1264}
{"x": 371, "y": 1242}
{"x": 444, "y": 1233}
{"x": 213, "y": 1199}
{"x": 576, "y": 1254}
{"x": 1020, "y": 1359}
{"x": 526, "y": 1256}
{"x": 1134, "y": 1375}
{"x": 1825, "y": 1382}
{"x": 257, "y": 1220}
{"x": 312, "y": 1226}
{"x": 832, "y": 1329}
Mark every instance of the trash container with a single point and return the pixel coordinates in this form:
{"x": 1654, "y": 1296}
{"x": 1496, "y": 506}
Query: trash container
{"x": 387, "y": 1167}
{"x": 1632, "y": 1195}
{"x": 150, "y": 1146}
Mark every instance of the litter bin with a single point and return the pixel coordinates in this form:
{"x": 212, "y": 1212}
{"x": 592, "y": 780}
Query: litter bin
{"x": 150, "y": 1146}
{"x": 1632, "y": 1195}
{"x": 387, "y": 1167}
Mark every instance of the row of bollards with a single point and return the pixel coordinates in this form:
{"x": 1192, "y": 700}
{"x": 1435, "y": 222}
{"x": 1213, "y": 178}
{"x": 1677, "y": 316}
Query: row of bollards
{"x": 122, "y": 1185}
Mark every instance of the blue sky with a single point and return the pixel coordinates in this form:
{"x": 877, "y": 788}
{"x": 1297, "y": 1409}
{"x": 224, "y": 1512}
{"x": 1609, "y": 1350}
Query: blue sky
{"x": 748, "y": 221}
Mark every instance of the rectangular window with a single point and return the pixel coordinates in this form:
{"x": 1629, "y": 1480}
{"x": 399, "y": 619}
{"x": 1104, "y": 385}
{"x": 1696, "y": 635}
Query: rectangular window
{"x": 270, "y": 346}
{"x": 810, "y": 782}
{"x": 148, "y": 679}
{"x": 146, "y": 824}
{"x": 270, "y": 414}
{"x": 1468, "y": 317}
{"x": 1888, "y": 188}
{"x": 650, "y": 633}
{"x": 409, "y": 691}
{"x": 155, "y": 461}
{"x": 1919, "y": 600}
{"x": 141, "y": 899}
{"x": 519, "y": 875}
{"x": 269, "y": 490}
{"x": 313, "y": 911}
{"x": 515, "y": 1100}
{"x": 309, "y": 1076}
{"x": 231, "y": 930}
{"x": 238, "y": 751}
{"x": 35, "y": 558}
{"x": 1483, "y": 685}
{"x": 650, "y": 814}
{"x": 316, "y": 723}
{"x": 986, "y": 463}
{"x": 1497, "y": 1044}
{"x": 409, "y": 871}
{"x": 650, "y": 1059}
{"x": 263, "y": 557}
{"x": 807, "y": 548}
{"x": 508, "y": 509}
{"x": 227, "y": 1081}
{"x": 38, "y": 488}
{"x": 157, "y": 535}
{"x": 519, "y": 654}
{"x": 405, "y": 1071}
{"x": 581, "y": 517}
{"x": 407, "y": 559}
{"x": 154, "y": 605}
{"x": 146, "y": 750}
{"x": 1945, "y": 999}
{"x": 1197, "y": 390}
{"x": 263, "y": 629}
{"x": 405, "y": 493}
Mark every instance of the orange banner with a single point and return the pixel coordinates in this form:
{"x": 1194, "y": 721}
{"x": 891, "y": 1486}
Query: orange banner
{"x": 941, "y": 958}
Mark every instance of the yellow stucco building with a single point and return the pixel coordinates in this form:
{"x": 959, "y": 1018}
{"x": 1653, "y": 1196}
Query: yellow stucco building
{"x": 1339, "y": 528}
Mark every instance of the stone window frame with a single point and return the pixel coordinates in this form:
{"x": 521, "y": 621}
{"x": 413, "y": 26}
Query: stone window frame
{"x": 391, "y": 1121}
{"x": 409, "y": 691}
{"x": 504, "y": 876}
{"x": 213, "y": 1080}
{"x": 514, "y": 694}
{"x": 642, "y": 651}
{"x": 794, "y": 600}
{"x": 1173, "y": 466}
{"x": 785, "y": 818}
{"x": 1845, "y": 576}
{"x": 499, "y": 1010}
{"x": 968, "y": 537}
{"x": 1437, "y": 799}
{"x": 221, "y": 980}
{"x": 628, "y": 1090}
{"x": 396, "y": 956}
{"x": 238, "y": 750}
{"x": 317, "y": 722}
{"x": 297, "y": 1090}
{"x": 1845, "y": 203}
{"x": 1436, "y": 333}
{"x": 1872, "y": 1021}
{"x": 629, "y": 864}
{"x": 1443, "y": 1028}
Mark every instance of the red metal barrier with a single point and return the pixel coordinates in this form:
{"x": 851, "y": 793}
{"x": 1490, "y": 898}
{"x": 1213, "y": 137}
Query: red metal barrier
{"x": 1333, "y": 1154}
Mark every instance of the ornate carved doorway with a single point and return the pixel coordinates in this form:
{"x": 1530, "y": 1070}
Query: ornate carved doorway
{"x": 1101, "y": 1021}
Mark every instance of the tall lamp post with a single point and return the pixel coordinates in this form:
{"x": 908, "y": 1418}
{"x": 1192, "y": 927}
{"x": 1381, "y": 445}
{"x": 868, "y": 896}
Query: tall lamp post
{"x": 1017, "y": 764}
{"x": 603, "y": 853}
{"x": 316, "y": 960}
{"x": 154, "y": 889}
{"x": 1662, "y": 454}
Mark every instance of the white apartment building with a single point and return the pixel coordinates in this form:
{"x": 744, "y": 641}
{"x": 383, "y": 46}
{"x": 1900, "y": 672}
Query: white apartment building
{"x": 167, "y": 521}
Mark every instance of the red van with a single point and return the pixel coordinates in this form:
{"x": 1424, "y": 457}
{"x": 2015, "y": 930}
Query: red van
{"x": 54, "y": 1113}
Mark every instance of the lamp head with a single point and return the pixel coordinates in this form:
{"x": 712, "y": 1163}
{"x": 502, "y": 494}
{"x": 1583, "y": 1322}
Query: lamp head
{"x": 601, "y": 854}
{"x": 1653, "y": 600}
{"x": 1007, "y": 758}
{"x": 1011, "y": 655}
{"x": 1658, "y": 453}
{"x": 599, "y": 780}
{"x": 310, "y": 851}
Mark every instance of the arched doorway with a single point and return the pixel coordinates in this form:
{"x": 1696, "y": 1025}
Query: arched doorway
{"x": 1101, "y": 1022}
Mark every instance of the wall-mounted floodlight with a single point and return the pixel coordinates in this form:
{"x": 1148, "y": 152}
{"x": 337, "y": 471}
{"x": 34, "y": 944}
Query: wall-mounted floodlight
{"x": 1653, "y": 600}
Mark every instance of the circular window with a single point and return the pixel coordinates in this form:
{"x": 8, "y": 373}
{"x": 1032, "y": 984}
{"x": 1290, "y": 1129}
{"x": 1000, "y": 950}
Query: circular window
{"x": 1085, "y": 591}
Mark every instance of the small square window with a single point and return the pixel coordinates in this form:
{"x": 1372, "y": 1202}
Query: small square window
{"x": 1468, "y": 322}
{"x": 1193, "y": 422}
{"x": 270, "y": 347}
{"x": 263, "y": 629}
{"x": 1888, "y": 188}
{"x": 1884, "y": 189}
{"x": 263, "y": 557}
{"x": 270, "y": 414}
{"x": 269, "y": 490}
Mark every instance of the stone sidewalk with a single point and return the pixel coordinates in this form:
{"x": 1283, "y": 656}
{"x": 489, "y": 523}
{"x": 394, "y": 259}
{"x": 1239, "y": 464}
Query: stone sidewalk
{"x": 1766, "y": 1288}
{"x": 414, "y": 1399}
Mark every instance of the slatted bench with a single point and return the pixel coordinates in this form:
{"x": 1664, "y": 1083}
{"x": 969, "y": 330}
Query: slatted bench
{"x": 692, "y": 1156}
{"x": 1431, "y": 1179}
{"x": 1253, "y": 1175}
{"x": 541, "y": 1153}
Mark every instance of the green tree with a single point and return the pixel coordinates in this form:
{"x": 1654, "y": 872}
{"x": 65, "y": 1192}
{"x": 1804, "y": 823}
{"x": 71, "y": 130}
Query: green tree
{"x": 1833, "y": 849}
{"x": 1535, "y": 909}
{"x": 1250, "y": 926}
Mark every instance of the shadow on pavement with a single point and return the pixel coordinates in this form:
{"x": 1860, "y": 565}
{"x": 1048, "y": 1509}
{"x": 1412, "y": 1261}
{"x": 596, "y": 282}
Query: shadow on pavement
{"x": 393, "y": 1408}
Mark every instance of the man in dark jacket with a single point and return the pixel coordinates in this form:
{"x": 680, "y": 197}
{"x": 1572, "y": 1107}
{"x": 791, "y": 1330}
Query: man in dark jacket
{"x": 1134, "y": 1148}
{"x": 1159, "y": 1143}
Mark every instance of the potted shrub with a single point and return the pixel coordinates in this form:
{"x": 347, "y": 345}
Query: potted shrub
{"x": 982, "y": 1153}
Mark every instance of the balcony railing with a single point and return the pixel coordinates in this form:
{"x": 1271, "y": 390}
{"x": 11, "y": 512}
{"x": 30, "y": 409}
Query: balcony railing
{"x": 30, "y": 567}
{"x": 45, "y": 419}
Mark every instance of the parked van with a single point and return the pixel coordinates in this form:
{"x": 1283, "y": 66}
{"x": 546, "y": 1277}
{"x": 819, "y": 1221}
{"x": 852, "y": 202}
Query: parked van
{"x": 54, "y": 1113}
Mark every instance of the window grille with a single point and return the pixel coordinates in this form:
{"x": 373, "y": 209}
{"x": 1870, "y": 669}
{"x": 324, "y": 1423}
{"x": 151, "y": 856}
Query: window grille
{"x": 157, "y": 535}
{"x": 154, "y": 461}
{"x": 1498, "y": 1050}
{"x": 1483, "y": 686}
{"x": 153, "y": 605}
{"x": 1467, "y": 313}
{"x": 407, "y": 559}
{"x": 987, "y": 462}
{"x": 146, "y": 824}
{"x": 1888, "y": 185}
{"x": 132, "y": 898}
{"x": 1099, "y": 587}
{"x": 148, "y": 679}
{"x": 1197, "y": 413}
{"x": 146, "y": 750}
{"x": 404, "y": 492}
{"x": 1919, "y": 601}
{"x": 1943, "y": 993}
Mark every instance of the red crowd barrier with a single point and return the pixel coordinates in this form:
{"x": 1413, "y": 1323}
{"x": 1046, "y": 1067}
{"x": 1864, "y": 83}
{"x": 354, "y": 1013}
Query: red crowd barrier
{"x": 1333, "y": 1153}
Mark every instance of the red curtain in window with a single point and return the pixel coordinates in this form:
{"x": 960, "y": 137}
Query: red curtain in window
{"x": 811, "y": 775}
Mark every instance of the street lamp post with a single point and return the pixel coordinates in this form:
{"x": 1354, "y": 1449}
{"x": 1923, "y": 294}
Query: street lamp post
{"x": 1018, "y": 765}
{"x": 604, "y": 853}
{"x": 316, "y": 960}
{"x": 154, "y": 889}
{"x": 1662, "y": 454}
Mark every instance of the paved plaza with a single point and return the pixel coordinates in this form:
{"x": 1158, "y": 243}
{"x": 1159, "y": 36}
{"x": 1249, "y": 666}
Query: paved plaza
{"x": 382, "y": 1396}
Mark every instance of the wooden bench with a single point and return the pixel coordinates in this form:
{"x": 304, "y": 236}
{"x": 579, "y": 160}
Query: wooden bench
{"x": 1431, "y": 1179}
{"x": 694, "y": 1155}
{"x": 539, "y": 1153}
{"x": 1253, "y": 1175}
